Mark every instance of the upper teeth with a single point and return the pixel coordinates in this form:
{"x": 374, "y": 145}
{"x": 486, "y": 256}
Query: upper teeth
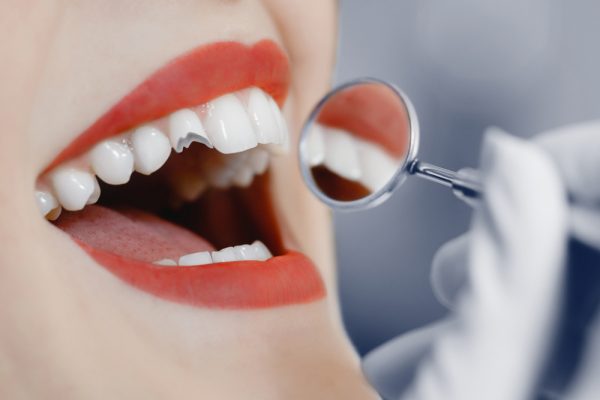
{"x": 350, "y": 157}
{"x": 256, "y": 251}
{"x": 232, "y": 123}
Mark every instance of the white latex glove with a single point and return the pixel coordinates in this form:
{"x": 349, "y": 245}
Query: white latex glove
{"x": 504, "y": 278}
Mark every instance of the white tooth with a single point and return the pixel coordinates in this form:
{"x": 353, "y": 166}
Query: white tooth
{"x": 283, "y": 146}
{"x": 377, "y": 166}
{"x": 112, "y": 162}
{"x": 47, "y": 204}
{"x": 259, "y": 160}
{"x": 225, "y": 255}
{"x": 184, "y": 128}
{"x": 151, "y": 149}
{"x": 73, "y": 187}
{"x": 199, "y": 258}
{"x": 245, "y": 252}
{"x": 95, "y": 194}
{"x": 262, "y": 252}
{"x": 228, "y": 125}
{"x": 262, "y": 116}
{"x": 166, "y": 262}
{"x": 341, "y": 153}
{"x": 315, "y": 145}
{"x": 243, "y": 177}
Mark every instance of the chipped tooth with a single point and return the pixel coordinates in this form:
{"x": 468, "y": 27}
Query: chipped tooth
{"x": 341, "y": 154}
{"x": 228, "y": 126}
{"x": 185, "y": 127}
{"x": 258, "y": 160}
{"x": 316, "y": 145}
{"x": 151, "y": 149}
{"x": 73, "y": 187}
{"x": 262, "y": 252}
{"x": 112, "y": 162}
{"x": 95, "y": 193}
{"x": 166, "y": 262}
{"x": 263, "y": 118}
{"x": 199, "y": 258}
{"x": 48, "y": 205}
{"x": 377, "y": 166}
{"x": 224, "y": 255}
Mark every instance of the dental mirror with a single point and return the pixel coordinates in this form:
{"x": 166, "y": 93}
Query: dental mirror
{"x": 361, "y": 142}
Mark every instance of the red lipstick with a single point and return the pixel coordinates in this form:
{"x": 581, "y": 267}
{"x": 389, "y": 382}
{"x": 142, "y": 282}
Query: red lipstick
{"x": 190, "y": 80}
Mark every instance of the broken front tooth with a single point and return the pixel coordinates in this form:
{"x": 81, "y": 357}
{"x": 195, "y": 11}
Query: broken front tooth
{"x": 224, "y": 255}
{"x": 377, "y": 166}
{"x": 73, "y": 187}
{"x": 199, "y": 258}
{"x": 166, "y": 262}
{"x": 341, "y": 154}
{"x": 228, "y": 126}
{"x": 151, "y": 149}
{"x": 112, "y": 162}
{"x": 48, "y": 205}
{"x": 185, "y": 127}
{"x": 263, "y": 118}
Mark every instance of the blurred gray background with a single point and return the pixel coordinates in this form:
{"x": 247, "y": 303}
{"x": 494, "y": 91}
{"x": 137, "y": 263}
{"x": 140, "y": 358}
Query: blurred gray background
{"x": 523, "y": 65}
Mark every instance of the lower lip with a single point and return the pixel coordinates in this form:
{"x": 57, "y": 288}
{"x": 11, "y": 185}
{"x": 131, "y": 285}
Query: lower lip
{"x": 279, "y": 281}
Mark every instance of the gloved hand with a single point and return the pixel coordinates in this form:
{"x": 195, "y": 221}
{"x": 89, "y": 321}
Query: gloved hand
{"x": 505, "y": 278}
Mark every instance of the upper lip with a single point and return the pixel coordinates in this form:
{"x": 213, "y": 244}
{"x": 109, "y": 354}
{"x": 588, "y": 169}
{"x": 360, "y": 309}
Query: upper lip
{"x": 191, "y": 79}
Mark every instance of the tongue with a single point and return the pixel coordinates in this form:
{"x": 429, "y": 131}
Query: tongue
{"x": 131, "y": 233}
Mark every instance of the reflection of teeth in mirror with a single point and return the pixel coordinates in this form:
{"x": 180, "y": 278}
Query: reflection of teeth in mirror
{"x": 316, "y": 147}
{"x": 341, "y": 154}
{"x": 350, "y": 157}
{"x": 377, "y": 166}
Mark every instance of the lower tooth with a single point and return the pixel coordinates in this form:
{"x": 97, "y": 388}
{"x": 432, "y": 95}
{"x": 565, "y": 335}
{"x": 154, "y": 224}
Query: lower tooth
{"x": 256, "y": 251}
{"x": 200, "y": 258}
{"x": 261, "y": 250}
{"x": 166, "y": 262}
{"x": 225, "y": 255}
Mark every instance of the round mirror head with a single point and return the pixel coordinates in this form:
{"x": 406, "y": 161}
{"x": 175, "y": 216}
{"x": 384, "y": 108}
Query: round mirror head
{"x": 357, "y": 144}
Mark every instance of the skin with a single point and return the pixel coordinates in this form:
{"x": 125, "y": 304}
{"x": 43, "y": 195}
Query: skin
{"x": 69, "y": 329}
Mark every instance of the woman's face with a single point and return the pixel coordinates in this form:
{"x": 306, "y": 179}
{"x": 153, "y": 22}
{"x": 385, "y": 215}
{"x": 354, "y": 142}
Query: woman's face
{"x": 85, "y": 309}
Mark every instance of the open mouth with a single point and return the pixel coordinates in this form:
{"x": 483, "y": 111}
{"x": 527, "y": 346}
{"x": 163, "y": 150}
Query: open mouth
{"x": 170, "y": 190}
